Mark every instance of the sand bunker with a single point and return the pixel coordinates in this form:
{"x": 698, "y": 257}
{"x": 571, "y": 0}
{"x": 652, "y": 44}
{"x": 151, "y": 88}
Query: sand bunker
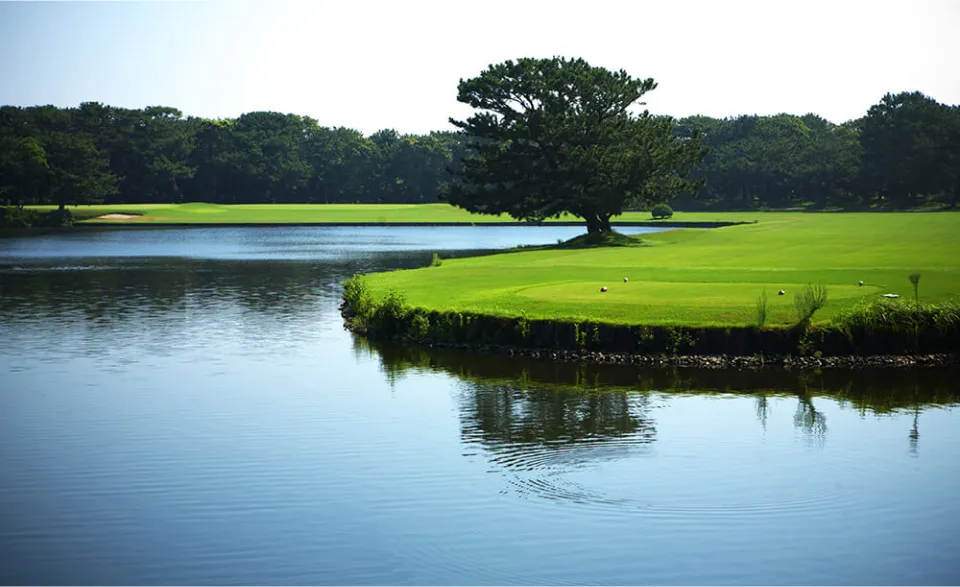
{"x": 116, "y": 217}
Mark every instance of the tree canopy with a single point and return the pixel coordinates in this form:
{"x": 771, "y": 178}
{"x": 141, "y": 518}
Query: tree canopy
{"x": 558, "y": 135}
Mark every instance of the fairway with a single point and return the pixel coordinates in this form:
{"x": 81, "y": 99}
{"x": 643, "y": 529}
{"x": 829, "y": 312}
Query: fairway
{"x": 198, "y": 213}
{"x": 703, "y": 276}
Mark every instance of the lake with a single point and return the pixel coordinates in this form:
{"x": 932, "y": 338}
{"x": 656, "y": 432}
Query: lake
{"x": 183, "y": 406}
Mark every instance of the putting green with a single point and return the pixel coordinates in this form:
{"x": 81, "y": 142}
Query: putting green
{"x": 657, "y": 292}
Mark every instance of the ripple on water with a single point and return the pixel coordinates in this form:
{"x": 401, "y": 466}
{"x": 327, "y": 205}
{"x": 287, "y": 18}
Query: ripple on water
{"x": 576, "y": 475}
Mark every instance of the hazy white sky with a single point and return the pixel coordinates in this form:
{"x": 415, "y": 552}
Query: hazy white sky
{"x": 372, "y": 65}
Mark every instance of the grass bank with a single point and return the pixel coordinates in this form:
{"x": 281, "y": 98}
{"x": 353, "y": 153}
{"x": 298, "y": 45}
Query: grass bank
{"x": 697, "y": 290}
{"x": 205, "y": 214}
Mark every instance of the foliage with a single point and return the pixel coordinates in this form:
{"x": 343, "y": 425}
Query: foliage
{"x": 558, "y": 135}
{"x": 911, "y": 150}
{"x": 15, "y": 217}
{"x": 389, "y": 317}
{"x": 886, "y": 316}
{"x": 356, "y": 296}
{"x": 904, "y": 153}
{"x": 436, "y": 261}
{"x": 915, "y": 282}
{"x": 762, "y": 309}
{"x": 95, "y": 153}
{"x": 661, "y": 211}
{"x": 810, "y": 299}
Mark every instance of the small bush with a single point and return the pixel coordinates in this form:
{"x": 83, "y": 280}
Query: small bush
{"x": 57, "y": 218}
{"x": 419, "y": 328}
{"x": 915, "y": 281}
{"x": 436, "y": 261}
{"x": 762, "y": 309}
{"x": 359, "y": 302}
{"x": 390, "y": 316}
{"x": 808, "y": 301}
{"x": 14, "y": 217}
{"x": 661, "y": 211}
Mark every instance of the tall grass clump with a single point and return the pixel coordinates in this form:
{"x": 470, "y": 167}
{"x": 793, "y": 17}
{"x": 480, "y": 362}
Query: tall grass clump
{"x": 808, "y": 301}
{"x": 436, "y": 261}
{"x": 895, "y": 325}
{"x": 915, "y": 282}
{"x": 762, "y": 309}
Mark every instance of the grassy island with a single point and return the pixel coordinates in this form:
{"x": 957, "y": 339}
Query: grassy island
{"x": 685, "y": 285}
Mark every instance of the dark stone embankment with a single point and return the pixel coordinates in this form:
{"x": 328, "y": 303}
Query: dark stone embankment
{"x": 717, "y": 361}
{"x": 743, "y": 347}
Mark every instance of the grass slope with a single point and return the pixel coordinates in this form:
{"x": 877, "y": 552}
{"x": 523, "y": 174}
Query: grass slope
{"x": 198, "y": 213}
{"x": 703, "y": 277}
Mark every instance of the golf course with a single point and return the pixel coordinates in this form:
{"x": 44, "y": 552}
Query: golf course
{"x": 207, "y": 214}
{"x": 702, "y": 277}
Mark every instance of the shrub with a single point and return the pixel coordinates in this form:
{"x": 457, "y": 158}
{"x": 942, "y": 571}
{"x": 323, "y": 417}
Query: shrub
{"x": 885, "y": 316}
{"x": 915, "y": 281}
{"x": 436, "y": 261}
{"x": 661, "y": 211}
{"x": 419, "y": 327}
{"x": 14, "y": 217}
{"x": 390, "y": 316}
{"x": 762, "y": 309}
{"x": 357, "y": 297}
{"x": 808, "y": 301}
{"x": 57, "y": 218}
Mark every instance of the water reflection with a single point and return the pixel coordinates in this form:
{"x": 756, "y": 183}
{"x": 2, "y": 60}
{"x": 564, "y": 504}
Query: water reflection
{"x": 519, "y": 399}
{"x": 111, "y": 291}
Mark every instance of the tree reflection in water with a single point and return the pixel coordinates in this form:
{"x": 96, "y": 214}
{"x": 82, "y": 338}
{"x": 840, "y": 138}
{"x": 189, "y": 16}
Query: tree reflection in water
{"x": 510, "y": 402}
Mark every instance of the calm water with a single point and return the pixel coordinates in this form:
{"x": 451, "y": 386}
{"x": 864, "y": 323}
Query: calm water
{"x": 184, "y": 407}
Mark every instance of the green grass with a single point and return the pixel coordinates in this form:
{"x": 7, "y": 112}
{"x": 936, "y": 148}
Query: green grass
{"x": 198, "y": 213}
{"x": 698, "y": 277}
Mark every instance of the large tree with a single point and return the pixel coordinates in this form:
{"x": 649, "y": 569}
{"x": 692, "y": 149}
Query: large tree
{"x": 558, "y": 135}
{"x": 911, "y": 150}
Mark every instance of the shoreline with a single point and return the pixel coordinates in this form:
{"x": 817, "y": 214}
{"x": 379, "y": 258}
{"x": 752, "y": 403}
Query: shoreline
{"x": 646, "y": 224}
{"x": 710, "y": 361}
{"x": 596, "y": 343}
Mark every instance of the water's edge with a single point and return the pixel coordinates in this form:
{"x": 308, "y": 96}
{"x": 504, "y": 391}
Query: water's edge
{"x": 648, "y": 224}
{"x": 712, "y": 348}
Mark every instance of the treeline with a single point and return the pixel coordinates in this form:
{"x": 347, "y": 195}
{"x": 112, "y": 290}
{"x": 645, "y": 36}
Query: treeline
{"x": 101, "y": 154}
{"x": 904, "y": 153}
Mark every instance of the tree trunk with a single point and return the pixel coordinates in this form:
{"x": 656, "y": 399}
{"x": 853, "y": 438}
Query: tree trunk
{"x": 593, "y": 223}
{"x": 596, "y": 222}
{"x": 605, "y": 223}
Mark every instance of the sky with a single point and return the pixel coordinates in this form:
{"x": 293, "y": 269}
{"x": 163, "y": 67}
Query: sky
{"x": 372, "y": 65}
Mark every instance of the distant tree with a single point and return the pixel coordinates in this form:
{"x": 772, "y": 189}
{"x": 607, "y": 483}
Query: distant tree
{"x": 23, "y": 168}
{"x": 911, "y": 150}
{"x": 80, "y": 172}
{"x": 557, "y": 135}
